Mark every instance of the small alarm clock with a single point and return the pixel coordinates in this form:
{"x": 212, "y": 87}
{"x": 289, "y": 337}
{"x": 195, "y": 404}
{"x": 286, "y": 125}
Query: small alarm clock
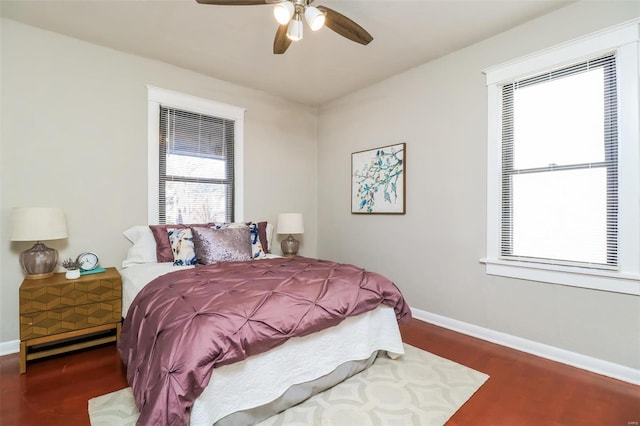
{"x": 87, "y": 261}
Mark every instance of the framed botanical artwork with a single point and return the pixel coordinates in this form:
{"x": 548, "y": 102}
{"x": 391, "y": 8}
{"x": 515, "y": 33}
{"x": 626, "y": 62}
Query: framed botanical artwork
{"x": 378, "y": 180}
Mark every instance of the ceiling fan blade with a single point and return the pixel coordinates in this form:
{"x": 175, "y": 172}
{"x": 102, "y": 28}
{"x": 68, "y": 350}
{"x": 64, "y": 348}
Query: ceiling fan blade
{"x": 234, "y": 2}
{"x": 345, "y": 26}
{"x": 281, "y": 43}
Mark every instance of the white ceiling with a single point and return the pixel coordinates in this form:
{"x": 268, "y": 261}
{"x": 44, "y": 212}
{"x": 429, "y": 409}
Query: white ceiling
{"x": 234, "y": 43}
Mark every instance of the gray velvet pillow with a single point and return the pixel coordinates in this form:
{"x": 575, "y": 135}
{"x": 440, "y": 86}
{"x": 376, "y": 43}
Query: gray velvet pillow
{"x": 221, "y": 245}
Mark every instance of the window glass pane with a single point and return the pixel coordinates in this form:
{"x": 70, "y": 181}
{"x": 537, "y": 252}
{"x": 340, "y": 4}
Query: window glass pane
{"x": 561, "y": 215}
{"x": 188, "y": 202}
{"x": 560, "y": 122}
{"x": 196, "y": 167}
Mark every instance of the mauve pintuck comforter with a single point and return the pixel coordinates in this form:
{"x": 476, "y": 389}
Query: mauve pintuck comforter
{"x": 185, "y": 323}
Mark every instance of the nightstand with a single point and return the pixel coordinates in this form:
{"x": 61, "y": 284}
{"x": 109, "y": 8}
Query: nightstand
{"x": 59, "y": 315}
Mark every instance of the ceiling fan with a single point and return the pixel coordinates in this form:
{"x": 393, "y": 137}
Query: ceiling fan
{"x": 289, "y": 15}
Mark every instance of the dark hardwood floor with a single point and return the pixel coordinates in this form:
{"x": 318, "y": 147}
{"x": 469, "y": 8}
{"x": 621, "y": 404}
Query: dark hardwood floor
{"x": 522, "y": 390}
{"x": 528, "y": 390}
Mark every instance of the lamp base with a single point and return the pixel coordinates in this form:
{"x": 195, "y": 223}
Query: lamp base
{"x": 39, "y": 261}
{"x": 289, "y": 246}
{"x": 38, "y": 276}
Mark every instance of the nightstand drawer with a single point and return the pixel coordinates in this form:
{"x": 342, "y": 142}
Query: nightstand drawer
{"x": 56, "y": 321}
{"x": 88, "y": 289}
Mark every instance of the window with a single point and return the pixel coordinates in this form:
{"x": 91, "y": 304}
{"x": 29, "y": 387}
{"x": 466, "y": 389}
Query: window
{"x": 196, "y": 167}
{"x": 559, "y": 166}
{"x": 195, "y": 159}
{"x": 563, "y": 170}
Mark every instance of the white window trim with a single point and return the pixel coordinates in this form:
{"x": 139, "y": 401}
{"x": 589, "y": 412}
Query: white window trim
{"x": 168, "y": 98}
{"x": 625, "y": 40}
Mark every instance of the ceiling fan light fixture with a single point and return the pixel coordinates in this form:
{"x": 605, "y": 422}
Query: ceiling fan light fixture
{"x": 315, "y": 18}
{"x": 283, "y": 12}
{"x": 294, "y": 31}
{"x": 289, "y": 13}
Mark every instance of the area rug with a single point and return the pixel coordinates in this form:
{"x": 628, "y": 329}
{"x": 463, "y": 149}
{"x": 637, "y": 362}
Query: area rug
{"x": 418, "y": 388}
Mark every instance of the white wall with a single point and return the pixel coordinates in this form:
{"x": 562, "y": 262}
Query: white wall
{"x": 74, "y": 135}
{"x": 439, "y": 109}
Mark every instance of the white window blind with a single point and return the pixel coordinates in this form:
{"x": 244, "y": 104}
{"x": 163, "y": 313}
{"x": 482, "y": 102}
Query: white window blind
{"x": 560, "y": 166}
{"x": 196, "y": 167}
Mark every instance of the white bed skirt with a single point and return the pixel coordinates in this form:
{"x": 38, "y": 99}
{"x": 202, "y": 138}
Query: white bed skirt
{"x": 262, "y": 378}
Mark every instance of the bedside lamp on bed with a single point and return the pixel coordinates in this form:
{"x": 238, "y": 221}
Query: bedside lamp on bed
{"x": 38, "y": 224}
{"x": 290, "y": 223}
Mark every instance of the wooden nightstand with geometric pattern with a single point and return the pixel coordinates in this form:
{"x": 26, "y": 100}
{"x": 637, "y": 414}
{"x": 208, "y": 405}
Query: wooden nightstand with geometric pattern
{"x": 59, "y": 315}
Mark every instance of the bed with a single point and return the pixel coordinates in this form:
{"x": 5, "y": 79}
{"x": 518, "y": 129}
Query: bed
{"x": 251, "y": 386}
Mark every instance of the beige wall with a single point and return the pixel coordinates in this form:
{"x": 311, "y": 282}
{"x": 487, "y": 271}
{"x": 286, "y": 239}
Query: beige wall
{"x": 74, "y": 135}
{"x": 432, "y": 253}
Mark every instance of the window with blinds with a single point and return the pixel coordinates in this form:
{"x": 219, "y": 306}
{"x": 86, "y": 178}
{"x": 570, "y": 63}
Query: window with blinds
{"x": 196, "y": 167}
{"x": 560, "y": 166}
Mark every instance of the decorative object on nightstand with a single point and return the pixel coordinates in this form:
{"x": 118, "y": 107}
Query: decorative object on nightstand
{"x": 290, "y": 223}
{"x": 88, "y": 261}
{"x": 72, "y": 267}
{"x": 58, "y": 315}
{"x": 38, "y": 224}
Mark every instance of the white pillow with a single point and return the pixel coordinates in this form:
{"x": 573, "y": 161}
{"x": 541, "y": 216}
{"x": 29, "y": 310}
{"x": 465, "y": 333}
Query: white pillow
{"x": 144, "y": 246}
{"x": 270, "y": 236}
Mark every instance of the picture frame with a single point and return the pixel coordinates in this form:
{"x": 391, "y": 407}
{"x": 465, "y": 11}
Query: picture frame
{"x": 378, "y": 180}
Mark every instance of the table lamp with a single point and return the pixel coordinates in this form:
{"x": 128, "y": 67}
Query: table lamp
{"x": 38, "y": 224}
{"x": 290, "y": 223}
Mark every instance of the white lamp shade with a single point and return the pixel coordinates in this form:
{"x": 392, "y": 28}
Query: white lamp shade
{"x": 294, "y": 31}
{"x": 314, "y": 18}
{"x": 283, "y": 12}
{"x": 37, "y": 224}
{"x": 290, "y": 223}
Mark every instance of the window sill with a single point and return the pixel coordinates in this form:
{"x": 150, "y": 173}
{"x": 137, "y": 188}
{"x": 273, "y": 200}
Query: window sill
{"x": 612, "y": 281}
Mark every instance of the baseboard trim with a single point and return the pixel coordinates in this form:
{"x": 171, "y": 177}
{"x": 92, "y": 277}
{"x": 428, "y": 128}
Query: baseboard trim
{"x": 584, "y": 362}
{"x": 595, "y": 365}
{"x": 9, "y": 347}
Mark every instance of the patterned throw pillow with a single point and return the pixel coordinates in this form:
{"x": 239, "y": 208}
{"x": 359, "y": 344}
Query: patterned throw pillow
{"x": 181, "y": 240}
{"x": 164, "y": 253}
{"x": 257, "y": 251}
{"x": 221, "y": 245}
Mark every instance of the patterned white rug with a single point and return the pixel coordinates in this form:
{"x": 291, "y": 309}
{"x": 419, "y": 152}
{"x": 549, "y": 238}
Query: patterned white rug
{"x": 417, "y": 389}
